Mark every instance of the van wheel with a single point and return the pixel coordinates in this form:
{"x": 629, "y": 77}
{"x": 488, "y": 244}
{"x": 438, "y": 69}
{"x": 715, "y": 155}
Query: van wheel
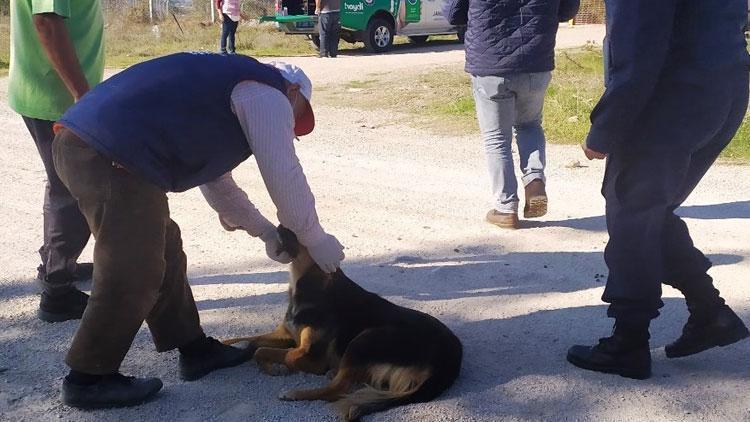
{"x": 418, "y": 39}
{"x": 315, "y": 40}
{"x": 379, "y": 35}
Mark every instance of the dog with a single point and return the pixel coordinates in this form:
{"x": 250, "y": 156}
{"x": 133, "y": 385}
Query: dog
{"x": 379, "y": 355}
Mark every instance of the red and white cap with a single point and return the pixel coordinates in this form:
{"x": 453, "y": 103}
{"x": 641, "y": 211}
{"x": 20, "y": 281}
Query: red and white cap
{"x": 293, "y": 74}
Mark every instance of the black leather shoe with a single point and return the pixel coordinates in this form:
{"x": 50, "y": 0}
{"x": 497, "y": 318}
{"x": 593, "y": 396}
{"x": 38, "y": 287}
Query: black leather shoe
{"x": 614, "y": 355}
{"x": 723, "y": 328}
{"x": 63, "y": 306}
{"x": 111, "y": 391}
{"x": 215, "y": 355}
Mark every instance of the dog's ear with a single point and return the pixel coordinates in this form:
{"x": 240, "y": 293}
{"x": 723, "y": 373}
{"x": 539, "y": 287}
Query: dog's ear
{"x": 289, "y": 242}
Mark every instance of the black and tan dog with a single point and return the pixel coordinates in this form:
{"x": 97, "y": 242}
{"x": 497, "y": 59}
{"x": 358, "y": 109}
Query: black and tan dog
{"x": 382, "y": 355}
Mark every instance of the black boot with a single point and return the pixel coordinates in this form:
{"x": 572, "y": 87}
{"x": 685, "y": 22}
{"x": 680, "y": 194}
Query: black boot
{"x": 207, "y": 354}
{"x": 625, "y": 353}
{"x": 63, "y": 305}
{"x": 104, "y": 391}
{"x": 706, "y": 329}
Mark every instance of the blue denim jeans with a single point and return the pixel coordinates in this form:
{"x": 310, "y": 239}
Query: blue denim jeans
{"x": 507, "y": 104}
{"x": 329, "y": 34}
{"x": 228, "y": 31}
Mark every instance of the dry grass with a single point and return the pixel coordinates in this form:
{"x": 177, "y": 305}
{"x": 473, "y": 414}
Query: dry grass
{"x": 441, "y": 101}
{"x": 4, "y": 44}
{"x": 127, "y": 44}
{"x": 438, "y": 100}
{"x": 130, "y": 41}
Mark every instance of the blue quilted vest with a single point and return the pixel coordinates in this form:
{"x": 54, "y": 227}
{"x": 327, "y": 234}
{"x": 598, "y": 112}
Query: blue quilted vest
{"x": 170, "y": 120}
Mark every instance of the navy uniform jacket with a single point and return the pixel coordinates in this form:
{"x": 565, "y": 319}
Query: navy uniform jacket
{"x": 652, "y": 42}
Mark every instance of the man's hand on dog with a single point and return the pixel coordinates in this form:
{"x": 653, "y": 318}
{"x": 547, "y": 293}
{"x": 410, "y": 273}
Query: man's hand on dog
{"x": 273, "y": 245}
{"x": 327, "y": 253}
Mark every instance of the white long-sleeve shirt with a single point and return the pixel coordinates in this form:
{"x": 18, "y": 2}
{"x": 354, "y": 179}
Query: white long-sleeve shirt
{"x": 267, "y": 120}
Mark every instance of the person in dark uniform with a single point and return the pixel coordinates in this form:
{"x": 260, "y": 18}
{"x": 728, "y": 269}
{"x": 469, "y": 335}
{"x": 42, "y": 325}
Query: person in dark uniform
{"x": 676, "y": 93}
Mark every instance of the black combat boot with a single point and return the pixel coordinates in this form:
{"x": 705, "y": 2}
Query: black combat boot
{"x": 625, "y": 353}
{"x": 707, "y": 328}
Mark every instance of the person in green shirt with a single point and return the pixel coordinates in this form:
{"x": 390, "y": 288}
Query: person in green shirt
{"x": 56, "y": 55}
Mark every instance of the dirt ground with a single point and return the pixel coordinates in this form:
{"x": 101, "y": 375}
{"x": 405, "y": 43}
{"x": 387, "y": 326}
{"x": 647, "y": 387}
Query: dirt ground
{"x": 409, "y": 208}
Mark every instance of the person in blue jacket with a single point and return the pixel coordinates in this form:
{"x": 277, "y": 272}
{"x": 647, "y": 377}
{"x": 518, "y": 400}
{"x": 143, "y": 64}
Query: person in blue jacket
{"x": 676, "y": 93}
{"x": 510, "y": 54}
{"x": 168, "y": 125}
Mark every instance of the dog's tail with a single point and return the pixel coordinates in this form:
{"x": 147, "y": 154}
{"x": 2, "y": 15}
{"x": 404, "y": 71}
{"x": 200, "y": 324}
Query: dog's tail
{"x": 389, "y": 386}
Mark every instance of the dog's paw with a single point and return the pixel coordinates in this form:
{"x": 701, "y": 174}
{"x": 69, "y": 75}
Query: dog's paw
{"x": 290, "y": 395}
{"x": 275, "y": 369}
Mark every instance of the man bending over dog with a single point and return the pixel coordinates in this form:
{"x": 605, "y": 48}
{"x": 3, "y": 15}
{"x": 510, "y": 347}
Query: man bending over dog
{"x": 119, "y": 160}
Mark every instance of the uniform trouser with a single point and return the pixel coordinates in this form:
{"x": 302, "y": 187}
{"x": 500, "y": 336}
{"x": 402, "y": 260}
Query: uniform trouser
{"x": 139, "y": 265}
{"x": 681, "y": 133}
{"x": 329, "y": 34}
{"x": 65, "y": 230}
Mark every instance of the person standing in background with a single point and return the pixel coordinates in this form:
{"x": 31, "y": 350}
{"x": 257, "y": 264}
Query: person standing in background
{"x": 510, "y": 54}
{"x": 329, "y": 11}
{"x": 56, "y": 56}
{"x": 230, "y": 15}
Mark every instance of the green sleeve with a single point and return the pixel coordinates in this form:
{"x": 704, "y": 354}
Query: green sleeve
{"x": 58, "y": 7}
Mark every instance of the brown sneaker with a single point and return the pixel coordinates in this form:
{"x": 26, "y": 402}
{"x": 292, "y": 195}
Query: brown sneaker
{"x": 536, "y": 199}
{"x": 502, "y": 219}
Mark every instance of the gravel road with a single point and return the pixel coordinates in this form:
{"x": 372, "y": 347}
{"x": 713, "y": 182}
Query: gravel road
{"x": 409, "y": 207}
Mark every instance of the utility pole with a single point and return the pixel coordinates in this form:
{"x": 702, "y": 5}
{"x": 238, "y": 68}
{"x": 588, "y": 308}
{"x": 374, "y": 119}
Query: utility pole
{"x": 151, "y": 11}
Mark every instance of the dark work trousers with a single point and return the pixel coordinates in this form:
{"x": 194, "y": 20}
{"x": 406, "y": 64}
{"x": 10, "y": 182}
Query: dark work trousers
{"x": 688, "y": 122}
{"x": 139, "y": 265}
{"x": 228, "y": 31}
{"x": 329, "y": 34}
{"x": 65, "y": 230}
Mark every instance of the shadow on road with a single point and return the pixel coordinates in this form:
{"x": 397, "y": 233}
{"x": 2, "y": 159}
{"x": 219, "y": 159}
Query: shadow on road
{"x": 419, "y": 278}
{"x": 499, "y": 352}
{"x": 739, "y": 209}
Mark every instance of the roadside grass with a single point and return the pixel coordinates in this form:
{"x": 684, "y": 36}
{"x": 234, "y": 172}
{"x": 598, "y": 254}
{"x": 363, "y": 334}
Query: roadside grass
{"x": 440, "y": 100}
{"x": 130, "y": 43}
{"x": 739, "y": 149}
{"x": 129, "y": 40}
{"x": 4, "y": 45}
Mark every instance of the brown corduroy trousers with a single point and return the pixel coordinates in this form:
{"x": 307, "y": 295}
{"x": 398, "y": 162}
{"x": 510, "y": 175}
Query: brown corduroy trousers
{"x": 139, "y": 264}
